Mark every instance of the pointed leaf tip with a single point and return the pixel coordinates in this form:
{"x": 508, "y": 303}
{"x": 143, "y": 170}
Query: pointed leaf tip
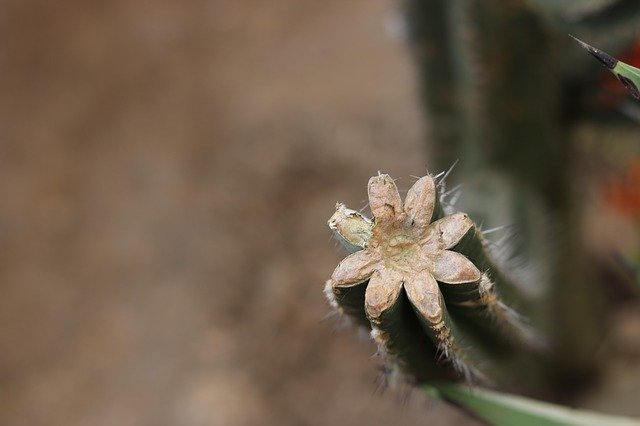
{"x": 627, "y": 74}
{"x": 605, "y": 59}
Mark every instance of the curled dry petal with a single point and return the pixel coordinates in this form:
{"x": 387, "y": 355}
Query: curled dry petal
{"x": 351, "y": 228}
{"x": 420, "y": 202}
{"x": 424, "y": 294}
{"x": 384, "y": 198}
{"x": 382, "y": 292}
{"x": 451, "y": 229}
{"x": 453, "y": 268}
{"x": 355, "y": 268}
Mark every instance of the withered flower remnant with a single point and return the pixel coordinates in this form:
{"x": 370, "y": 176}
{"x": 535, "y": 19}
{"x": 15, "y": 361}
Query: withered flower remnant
{"x": 407, "y": 253}
{"x": 414, "y": 276}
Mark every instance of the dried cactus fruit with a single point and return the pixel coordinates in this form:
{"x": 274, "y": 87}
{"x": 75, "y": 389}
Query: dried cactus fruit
{"x": 419, "y": 267}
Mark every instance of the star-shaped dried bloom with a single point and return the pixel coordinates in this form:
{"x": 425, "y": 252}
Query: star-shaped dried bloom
{"x": 404, "y": 264}
{"x": 406, "y": 250}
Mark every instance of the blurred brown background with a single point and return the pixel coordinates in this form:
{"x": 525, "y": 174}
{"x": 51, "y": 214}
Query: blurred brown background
{"x": 167, "y": 170}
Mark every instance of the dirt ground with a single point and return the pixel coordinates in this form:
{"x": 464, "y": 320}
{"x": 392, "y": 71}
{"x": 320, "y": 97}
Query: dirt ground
{"x": 167, "y": 169}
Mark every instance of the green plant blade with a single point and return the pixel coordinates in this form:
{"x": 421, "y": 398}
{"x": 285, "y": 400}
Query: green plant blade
{"x": 627, "y": 74}
{"x": 507, "y": 410}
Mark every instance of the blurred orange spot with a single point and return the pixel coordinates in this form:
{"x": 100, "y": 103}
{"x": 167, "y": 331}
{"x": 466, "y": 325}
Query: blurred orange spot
{"x": 623, "y": 193}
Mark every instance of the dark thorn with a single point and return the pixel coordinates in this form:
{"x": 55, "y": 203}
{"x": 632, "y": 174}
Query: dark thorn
{"x": 604, "y": 58}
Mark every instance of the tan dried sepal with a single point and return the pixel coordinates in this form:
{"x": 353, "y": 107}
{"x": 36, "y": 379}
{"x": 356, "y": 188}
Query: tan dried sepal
{"x": 450, "y": 229}
{"x": 424, "y": 294}
{"x": 420, "y": 202}
{"x": 382, "y": 293}
{"x": 384, "y": 198}
{"x": 453, "y": 268}
{"x": 355, "y": 268}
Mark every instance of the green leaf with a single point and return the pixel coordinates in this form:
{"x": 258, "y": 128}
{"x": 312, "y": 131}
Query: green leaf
{"x": 506, "y": 410}
{"x": 627, "y": 74}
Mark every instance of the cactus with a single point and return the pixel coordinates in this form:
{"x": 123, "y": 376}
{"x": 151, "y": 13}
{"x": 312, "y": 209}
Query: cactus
{"x": 502, "y": 85}
{"x": 425, "y": 285}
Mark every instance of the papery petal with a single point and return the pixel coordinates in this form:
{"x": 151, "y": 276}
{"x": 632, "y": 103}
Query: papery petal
{"x": 453, "y": 268}
{"x": 382, "y": 292}
{"x": 351, "y": 228}
{"x": 384, "y": 198}
{"x": 424, "y": 294}
{"x": 355, "y": 268}
{"x": 449, "y": 230}
{"x": 420, "y": 201}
